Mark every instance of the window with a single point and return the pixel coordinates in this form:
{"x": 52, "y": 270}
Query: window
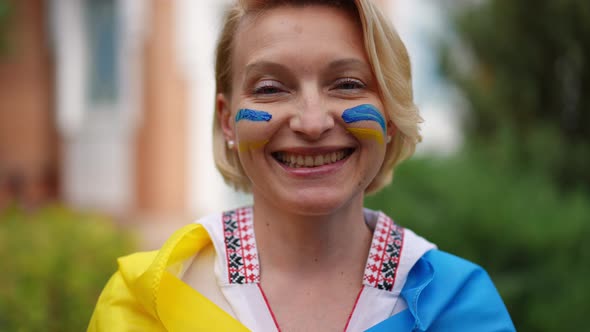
{"x": 102, "y": 27}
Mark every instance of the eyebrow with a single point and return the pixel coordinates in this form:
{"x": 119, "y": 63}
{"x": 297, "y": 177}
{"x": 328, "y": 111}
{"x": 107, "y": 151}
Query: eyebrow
{"x": 348, "y": 63}
{"x": 351, "y": 66}
{"x": 264, "y": 66}
{"x": 340, "y": 64}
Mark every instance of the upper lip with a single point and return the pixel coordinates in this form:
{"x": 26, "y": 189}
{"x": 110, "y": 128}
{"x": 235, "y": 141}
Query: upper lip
{"x": 312, "y": 150}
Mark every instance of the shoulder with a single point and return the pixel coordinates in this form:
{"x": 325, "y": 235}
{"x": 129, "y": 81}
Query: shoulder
{"x": 445, "y": 293}
{"x": 119, "y": 298}
{"x": 130, "y": 294}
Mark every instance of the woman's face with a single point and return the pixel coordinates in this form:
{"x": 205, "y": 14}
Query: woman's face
{"x": 305, "y": 112}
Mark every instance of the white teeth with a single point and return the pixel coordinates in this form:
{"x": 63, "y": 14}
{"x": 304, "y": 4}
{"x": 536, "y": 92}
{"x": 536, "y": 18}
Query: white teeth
{"x": 318, "y": 160}
{"x": 296, "y": 161}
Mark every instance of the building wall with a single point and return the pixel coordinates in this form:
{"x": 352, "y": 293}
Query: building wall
{"x": 35, "y": 99}
{"x": 28, "y": 143}
{"x": 161, "y": 164}
{"x": 97, "y": 133}
{"x": 160, "y": 170}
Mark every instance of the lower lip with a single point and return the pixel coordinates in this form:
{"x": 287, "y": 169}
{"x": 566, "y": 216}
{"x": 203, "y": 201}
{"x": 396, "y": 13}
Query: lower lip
{"x": 314, "y": 172}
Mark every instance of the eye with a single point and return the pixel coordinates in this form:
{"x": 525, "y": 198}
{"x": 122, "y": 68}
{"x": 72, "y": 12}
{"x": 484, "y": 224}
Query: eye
{"x": 349, "y": 83}
{"x": 267, "y": 87}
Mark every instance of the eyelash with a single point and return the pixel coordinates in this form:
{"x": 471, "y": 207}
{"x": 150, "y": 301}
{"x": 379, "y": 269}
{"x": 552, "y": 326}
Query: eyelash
{"x": 263, "y": 88}
{"x": 271, "y": 87}
{"x": 349, "y": 81}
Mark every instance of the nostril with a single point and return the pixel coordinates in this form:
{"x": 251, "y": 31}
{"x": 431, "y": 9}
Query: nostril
{"x": 312, "y": 125}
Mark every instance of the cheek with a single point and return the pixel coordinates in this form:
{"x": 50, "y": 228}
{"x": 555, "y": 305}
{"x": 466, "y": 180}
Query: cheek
{"x": 366, "y": 123}
{"x": 253, "y": 128}
{"x": 367, "y": 134}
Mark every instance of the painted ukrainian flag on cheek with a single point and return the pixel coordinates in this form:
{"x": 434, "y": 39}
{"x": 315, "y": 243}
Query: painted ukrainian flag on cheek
{"x": 250, "y": 115}
{"x": 365, "y": 112}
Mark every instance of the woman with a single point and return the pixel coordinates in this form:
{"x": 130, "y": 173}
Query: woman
{"x": 314, "y": 109}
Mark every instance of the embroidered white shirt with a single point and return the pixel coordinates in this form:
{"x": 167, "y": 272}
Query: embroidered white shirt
{"x": 228, "y": 273}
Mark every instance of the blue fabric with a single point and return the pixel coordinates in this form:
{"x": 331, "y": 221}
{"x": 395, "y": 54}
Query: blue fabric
{"x": 447, "y": 293}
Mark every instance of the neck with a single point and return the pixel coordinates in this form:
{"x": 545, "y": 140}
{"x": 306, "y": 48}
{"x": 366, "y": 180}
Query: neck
{"x": 299, "y": 244}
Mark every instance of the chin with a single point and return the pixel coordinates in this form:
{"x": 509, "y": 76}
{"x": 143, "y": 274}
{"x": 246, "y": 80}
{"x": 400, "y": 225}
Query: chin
{"x": 316, "y": 202}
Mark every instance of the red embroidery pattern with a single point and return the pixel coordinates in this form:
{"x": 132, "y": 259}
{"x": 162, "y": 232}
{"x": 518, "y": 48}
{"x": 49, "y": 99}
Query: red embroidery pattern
{"x": 240, "y": 246}
{"x": 384, "y": 255}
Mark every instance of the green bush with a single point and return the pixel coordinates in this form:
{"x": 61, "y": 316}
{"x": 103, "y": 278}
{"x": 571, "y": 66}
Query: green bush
{"x": 518, "y": 73}
{"x": 54, "y": 264}
{"x": 530, "y": 237}
{"x": 6, "y": 11}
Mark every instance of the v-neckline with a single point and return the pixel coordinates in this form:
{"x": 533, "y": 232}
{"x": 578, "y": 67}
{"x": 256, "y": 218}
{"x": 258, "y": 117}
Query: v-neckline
{"x": 243, "y": 265}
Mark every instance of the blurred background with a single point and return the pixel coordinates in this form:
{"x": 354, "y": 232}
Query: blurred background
{"x": 105, "y": 145}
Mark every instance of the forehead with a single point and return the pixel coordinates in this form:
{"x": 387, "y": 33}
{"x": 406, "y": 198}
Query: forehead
{"x": 292, "y": 32}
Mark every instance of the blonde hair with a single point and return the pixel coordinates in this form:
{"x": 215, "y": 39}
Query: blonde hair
{"x": 389, "y": 61}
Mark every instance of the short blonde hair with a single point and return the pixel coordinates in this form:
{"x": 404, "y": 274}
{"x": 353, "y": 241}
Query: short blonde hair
{"x": 389, "y": 61}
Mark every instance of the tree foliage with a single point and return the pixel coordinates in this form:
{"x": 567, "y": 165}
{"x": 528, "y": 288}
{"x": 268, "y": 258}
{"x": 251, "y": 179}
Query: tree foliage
{"x": 5, "y": 11}
{"x": 527, "y": 78}
{"x": 532, "y": 240}
{"x": 516, "y": 199}
{"x": 55, "y": 262}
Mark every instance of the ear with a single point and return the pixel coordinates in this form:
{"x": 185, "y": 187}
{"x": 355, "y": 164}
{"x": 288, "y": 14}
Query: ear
{"x": 224, "y": 116}
{"x": 391, "y": 130}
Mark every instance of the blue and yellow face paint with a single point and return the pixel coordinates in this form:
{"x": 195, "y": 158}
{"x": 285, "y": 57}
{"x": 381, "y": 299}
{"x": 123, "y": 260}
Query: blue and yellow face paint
{"x": 251, "y": 145}
{"x": 252, "y": 115}
{"x": 246, "y": 114}
{"x": 365, "y": 112}
{"x": 366, "y": 133}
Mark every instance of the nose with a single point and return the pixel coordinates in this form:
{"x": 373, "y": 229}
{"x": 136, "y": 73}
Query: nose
{"x": 312, "y": 120}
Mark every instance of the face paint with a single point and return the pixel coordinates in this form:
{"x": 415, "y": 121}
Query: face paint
{"x": 365, "y": 112}
{"x": 366, "y": 133}
{"x": 245, "y": 146}
{"x": 252, "y": 115}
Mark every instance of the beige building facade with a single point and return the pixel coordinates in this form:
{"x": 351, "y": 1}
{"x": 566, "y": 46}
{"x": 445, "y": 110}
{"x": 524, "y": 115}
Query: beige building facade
{"x": 107, "y": 105}
{"x": 29, "y": 145}
{"x": 118, "y": 150}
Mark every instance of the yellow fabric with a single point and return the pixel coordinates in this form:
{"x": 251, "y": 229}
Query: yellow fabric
{"x": 146, "y": 295}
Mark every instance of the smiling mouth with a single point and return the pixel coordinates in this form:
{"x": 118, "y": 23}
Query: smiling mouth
{"x": 296, "y": 160}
